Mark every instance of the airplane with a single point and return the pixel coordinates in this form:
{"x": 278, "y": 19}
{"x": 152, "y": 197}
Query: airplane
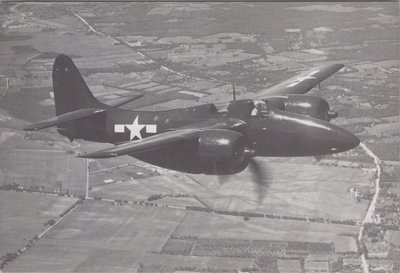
{"x": 280, "y": 121}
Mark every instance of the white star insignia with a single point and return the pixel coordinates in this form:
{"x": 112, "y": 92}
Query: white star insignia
{"x": 135, "y": 128}
{"x": 299, "y": 79}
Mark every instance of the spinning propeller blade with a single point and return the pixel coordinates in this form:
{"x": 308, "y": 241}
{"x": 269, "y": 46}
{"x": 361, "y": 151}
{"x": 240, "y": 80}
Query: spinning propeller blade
{"x": 260, "y": 178}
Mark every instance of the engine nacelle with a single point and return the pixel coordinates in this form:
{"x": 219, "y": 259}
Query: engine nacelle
{"x": 221, "y": 144}
{"x": 312, "y": 106}
{"x": 222, "y": 151}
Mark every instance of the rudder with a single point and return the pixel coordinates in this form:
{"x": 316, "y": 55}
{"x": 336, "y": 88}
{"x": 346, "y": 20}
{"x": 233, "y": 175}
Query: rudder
{"x": 70, "y": 90}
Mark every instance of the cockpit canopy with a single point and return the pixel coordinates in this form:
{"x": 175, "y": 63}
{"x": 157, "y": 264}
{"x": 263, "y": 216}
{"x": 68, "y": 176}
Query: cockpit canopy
{"x": 249, "y": 108}
{"x": 262, "y": 108}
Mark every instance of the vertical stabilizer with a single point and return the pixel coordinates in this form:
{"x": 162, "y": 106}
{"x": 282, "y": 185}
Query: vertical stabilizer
{"x": 70, "y": 90}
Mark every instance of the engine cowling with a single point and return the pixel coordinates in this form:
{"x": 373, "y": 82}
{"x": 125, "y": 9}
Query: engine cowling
{"x": 312, "y": 106}
{"x": 222, "y": 151}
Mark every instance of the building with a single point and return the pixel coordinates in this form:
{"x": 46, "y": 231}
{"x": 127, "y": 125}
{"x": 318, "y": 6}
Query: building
{"x": 322, "y": 264}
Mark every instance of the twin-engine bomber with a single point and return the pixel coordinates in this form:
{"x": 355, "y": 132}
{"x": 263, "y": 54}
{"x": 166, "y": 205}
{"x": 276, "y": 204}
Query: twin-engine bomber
{"x": 280, "y": 121}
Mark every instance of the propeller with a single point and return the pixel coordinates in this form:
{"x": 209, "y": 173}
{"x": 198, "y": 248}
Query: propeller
{"x": 259, "y": 176}
{"x": 223, "y": 179}
{"x": 318, "y": 158}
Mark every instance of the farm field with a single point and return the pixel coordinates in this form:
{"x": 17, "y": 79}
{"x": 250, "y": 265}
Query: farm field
{"x": 42, "y": 166}
{"x": 293, "y": 192}
{"x": 141, "y": 218}
{"x": 293, "y": 189}
{"x": 89, "y": 234}
{"x": 199, "y": 224}
{"x": 20, "y": 222}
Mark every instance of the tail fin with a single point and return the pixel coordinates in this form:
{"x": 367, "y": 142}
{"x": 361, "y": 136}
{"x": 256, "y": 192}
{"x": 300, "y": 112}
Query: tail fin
{"x": 70, "y": 90}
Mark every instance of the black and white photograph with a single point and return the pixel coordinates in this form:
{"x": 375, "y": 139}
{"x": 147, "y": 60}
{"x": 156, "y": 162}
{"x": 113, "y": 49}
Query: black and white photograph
{"x": 200, "y": 137}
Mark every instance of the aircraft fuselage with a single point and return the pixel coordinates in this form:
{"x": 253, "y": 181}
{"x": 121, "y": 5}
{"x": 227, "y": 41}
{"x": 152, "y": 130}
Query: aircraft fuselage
{"x": 278, "y": 133}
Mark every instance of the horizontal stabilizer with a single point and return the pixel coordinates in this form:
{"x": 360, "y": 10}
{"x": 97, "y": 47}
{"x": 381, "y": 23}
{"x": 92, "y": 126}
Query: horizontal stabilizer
{"x": 121, "y": 101}
{"x": 70, "y": 116}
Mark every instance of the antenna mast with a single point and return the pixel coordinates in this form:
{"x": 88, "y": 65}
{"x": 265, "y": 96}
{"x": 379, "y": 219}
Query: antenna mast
{"x": 234, "y": 92}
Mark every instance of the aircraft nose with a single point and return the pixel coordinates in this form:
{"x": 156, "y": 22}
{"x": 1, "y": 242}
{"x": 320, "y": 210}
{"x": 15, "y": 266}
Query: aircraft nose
{"x": 297, "y": 135}
{"x": 342, "y": 140}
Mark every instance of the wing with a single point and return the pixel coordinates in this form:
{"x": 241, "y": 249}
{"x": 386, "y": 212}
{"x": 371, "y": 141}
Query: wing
{"x": 149, "y": 144}
{"x": 165, "y": 140}
{"x": 301, "y": 83}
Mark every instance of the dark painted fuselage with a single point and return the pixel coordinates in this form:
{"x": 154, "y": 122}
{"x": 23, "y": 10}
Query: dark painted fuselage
{"x": 276, "y": 133}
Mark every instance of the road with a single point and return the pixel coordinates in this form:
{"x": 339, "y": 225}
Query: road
{"x": 371, "y": 208}
{"x": 116, "y": 40}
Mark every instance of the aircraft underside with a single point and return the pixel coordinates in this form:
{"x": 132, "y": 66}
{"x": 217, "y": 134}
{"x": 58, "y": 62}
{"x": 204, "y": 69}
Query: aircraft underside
{"x": 192, "y": 163}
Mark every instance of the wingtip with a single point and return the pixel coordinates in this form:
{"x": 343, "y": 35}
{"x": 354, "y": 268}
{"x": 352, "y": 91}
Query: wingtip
{"x": 29, "y": 128}
{"x": 81, "y": 155}
{"x": 62, "y": 56}
{"x": 98, "y": 154}
{"x": 88, "y": 155}
{"x": 337, "y": 66}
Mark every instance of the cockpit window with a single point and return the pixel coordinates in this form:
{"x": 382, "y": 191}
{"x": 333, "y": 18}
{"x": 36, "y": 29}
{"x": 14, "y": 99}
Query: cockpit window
{"x": 262, "y": 108}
